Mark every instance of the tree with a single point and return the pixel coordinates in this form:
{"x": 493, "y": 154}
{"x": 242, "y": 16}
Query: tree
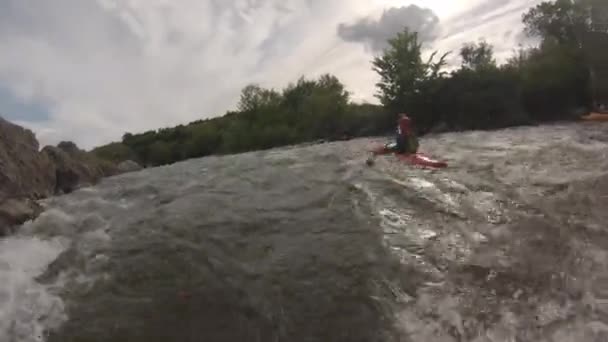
{"x": 477, "y": 56}
{"x": 556, "y": 75}
{"x": 205, "y": 140}
{"x": 159, "y": 153}
{"x": 127, "y": 137}
{"x": 115, "y": 152}
{"x": 402, "y": 71}
{"x": 254, "y": 97}
{"x": 555, "y": 81}
{"x": 561, "y": 21}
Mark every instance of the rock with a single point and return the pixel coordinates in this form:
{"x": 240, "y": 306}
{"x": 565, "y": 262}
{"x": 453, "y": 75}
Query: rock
{"x": 27, "y": 174}
{"x": 14, "y": 212}
{"x": 68, "y": 174}
{"x": 75, "y": 168}
{"x": 24, "y": 172}
{"x": 128, "y": 166}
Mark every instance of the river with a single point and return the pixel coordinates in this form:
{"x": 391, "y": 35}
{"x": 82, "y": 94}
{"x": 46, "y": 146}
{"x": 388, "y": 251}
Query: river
{"x": 308, "y": 243}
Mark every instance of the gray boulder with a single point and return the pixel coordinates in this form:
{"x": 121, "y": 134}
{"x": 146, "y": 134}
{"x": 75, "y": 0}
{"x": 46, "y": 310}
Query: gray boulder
{"x": 75, "y": 168}
{"x": 24, "y": 172}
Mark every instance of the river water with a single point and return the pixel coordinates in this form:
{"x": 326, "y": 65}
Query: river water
{"x": 309, "y": 243}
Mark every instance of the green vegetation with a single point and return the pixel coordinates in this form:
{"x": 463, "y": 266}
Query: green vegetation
{"x": 544, "y": 83}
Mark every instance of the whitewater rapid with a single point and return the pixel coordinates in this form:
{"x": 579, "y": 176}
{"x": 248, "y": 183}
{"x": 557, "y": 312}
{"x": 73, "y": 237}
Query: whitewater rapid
{"x": 310, "y": 244}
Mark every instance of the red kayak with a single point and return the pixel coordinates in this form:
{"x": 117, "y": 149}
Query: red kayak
{"x": 419, "y": 159}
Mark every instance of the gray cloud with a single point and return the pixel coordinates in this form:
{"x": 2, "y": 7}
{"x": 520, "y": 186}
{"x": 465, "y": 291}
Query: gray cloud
{"x": 374, "y": 33}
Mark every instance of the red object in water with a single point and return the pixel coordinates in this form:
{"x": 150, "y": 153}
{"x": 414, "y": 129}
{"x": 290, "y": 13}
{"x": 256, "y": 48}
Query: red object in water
{"x": 419, "y": 159}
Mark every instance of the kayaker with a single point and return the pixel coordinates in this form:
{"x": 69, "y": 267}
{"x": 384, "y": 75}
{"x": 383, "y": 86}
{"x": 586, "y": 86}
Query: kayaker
{"x": 407, "y": 142}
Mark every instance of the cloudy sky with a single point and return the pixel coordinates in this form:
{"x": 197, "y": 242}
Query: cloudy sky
{"x": 91, "y": 70}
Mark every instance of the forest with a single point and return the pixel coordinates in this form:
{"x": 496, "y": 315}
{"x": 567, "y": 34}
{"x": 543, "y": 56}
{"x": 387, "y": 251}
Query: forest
{"x": 548, "y": 82}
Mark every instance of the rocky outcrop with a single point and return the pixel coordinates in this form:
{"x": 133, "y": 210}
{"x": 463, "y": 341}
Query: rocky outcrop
{"x": 128, "y": 166}
{"x": 27, "y": 174}
{"x": 75, "y": 168}
{"x": 24, "y": 172}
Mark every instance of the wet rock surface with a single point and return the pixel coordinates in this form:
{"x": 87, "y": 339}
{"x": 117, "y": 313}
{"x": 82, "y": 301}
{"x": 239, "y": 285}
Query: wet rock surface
{"x": 24, "y": 172}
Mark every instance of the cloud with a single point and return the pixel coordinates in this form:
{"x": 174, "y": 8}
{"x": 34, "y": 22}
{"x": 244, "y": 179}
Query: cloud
{"x": 102, "y": 68}
{"x": 375, "y": 33}
{"x": 496, "y": 21}
{"x": 487, "y": 12}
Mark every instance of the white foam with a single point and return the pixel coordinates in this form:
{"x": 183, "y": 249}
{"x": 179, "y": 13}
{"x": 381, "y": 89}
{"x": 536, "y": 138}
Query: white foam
{"x": 51, "y": 221}
{"x": 422, "y": 183}
{"x": 27, "y": 308}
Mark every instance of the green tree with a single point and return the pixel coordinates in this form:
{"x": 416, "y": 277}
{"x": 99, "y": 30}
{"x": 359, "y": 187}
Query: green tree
{"x": 205, "y": 139}
{"x": 555, "y": 82}
{"x": 561, "y": 21}
{"x": 115, "y": 152}
{"x": 477, "y": 56}
{"x": 254, "y": 97}
{"x": 403, "y": 72}
{"x": 159, "y": 153}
